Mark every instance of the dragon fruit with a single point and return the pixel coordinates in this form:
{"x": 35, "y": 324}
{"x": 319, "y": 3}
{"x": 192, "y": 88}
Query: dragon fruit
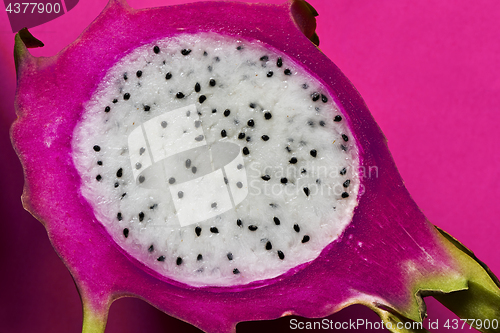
{"x": 222, "y": 172}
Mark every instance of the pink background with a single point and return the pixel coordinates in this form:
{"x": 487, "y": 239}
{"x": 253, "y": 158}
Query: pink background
{"x": 428, "y": 70}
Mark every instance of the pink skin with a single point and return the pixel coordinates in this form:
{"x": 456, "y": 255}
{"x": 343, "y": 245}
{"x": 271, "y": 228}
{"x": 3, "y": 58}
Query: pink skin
{"x": 329, "y": 272}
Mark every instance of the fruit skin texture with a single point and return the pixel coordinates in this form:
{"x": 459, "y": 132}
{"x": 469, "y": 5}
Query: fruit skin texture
{"x": 345, "y": 273}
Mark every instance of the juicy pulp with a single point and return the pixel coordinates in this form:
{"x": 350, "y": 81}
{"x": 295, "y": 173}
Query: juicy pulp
{"x": 288, "y": 158}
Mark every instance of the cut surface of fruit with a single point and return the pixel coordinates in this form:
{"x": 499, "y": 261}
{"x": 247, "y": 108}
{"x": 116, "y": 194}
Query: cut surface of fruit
{"x": 216, "y": 160}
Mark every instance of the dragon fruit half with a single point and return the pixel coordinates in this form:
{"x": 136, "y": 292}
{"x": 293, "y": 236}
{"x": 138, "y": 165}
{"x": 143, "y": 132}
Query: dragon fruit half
{"x": 226, "y": 171}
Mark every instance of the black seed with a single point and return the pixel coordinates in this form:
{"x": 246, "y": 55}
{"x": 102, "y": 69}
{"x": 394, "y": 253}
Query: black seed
{"x": 164, "y": 124}
{"x": 270, "y": 74}
{"x": 345, "y": 195}
{"x": 288, "y": 149}
{"x": 141, "y": 216}
{"x": 188, "y": 163}
{"x": 214, "y": 110}
{"x": 199, "y": 137}
{"x": 296, "y": 227}
{"x": 97, "y": 148}
{"x": 214, "y": 230}
{"x": 156, "y": 49}
{"x": 178, "y": 261}
{"x": 116, "y": 185}
{"x": 252, "y": 105}
{"x": 223, "y": 133}
{"x": 266, "y": 177}
{"x": 107, "y": 109}
{"x": 248, "y": 139}
{"x": 194, "y": 169}
{"x": 269, "y": 246}
{"x": 305, "y": 239}
{"x": 227, "y": 112}
{"x": 346, "y": 183}
{"x": 151, "y": 248}
{"x": 147, "y": 108}
{"x": 303, "y": 171}
{"x": 119, "y": 216}
{"x": 246, "y": 151}
{"x": 153, "y": 206}
{"x": 313, "y": 153}
{"x": 264, "y": 58}
{"x": 161, "y": 258}
{"x": 337, "y": 118}
{"x": 310, "y": 123}
{"x": 199, "y": 257}
{"x": 125, "y": 232}
{"x": 171, "y": 180}
{"x": 185, "y": 51}
{"x": 212, "y": 83}
{"x": 250, "y": 123}
{"x": 239, "y": 48}
{"x": 126, "y": 96}
{"x": 265, "y": 137}
{"x": 273, "y": 205}
{"x": 252, "y": 227}
{"x": 141, "y": 179}
{"x": 138, "y": 165}
{"x": 306, "y": 191}
{"x": 344, "y": 148}
{"x": 98, "y": 177}
{"x": 115, "y": 101}
{"x": 236, "y": 271}
{"x": 239, "y": 223}
{"x": 279, "y": 63}
{"x": 179, "y": 95}
{"x": 293, "y": 160}
{"x": 125, "y": 77}
{"x": 214, "y": 205}
{"x": 197, "y": 230}
{"x": 226, "y": 181}
{"x": 197, "y": 87}
{"x": 345, "y": 137}
{"x": 139, "y": 73}
{"x": 168, "y": 76}
{"x": 343, "y": 171}
{"x": 268, "y": 115}
{"x": 284, "y": 180}
{"x": 239, "y": 184}
{"x": 241, "y": 136}
{"x": 288, "y": 72}
{"x": 205, "y": 53}
{"x": 230, "y": 256}
{"x": 276, "y": 220}
{"x": 318, "y": 181}
{"x": 180, "y": 194}
{"x": 305, "y": 86}
{"x": 315, "y": 96}
{"x": 123, "y": 195}
{"x": 202, "y": 99}
{"x": 322, "y": 123}
{"x": 281, "y": 255}
{"x": 324, "y": 99}
{"x": 99, "y": 162}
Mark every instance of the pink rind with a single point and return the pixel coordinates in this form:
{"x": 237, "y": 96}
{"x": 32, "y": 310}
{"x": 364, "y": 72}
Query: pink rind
{"x": 393, "y": 231}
